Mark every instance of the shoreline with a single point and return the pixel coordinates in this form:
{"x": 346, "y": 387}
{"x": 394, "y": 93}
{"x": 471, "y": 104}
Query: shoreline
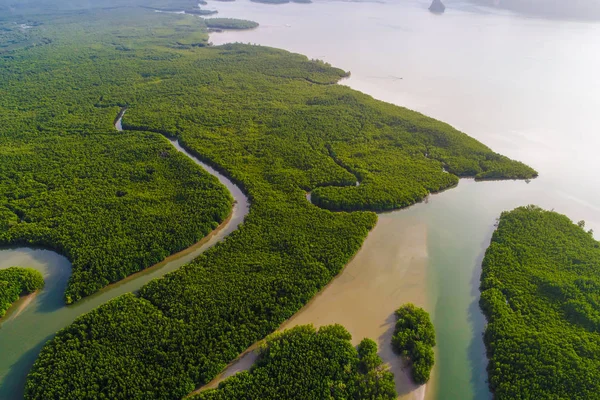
{"x": 387, "y": 279}
{"x": 250, "y": 353}
{"x": 151, "y": 269}
{"x": 26, "y": 301}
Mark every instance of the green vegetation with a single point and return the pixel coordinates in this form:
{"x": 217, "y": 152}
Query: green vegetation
{"x": 193, "y": 11}
{"x": 414, "y": 339}
{"x": 304, "y": 364}
{"x": 274, "y": 122}
{"x": 230, "y": 23}
{"x": 112, "y": 202}
{"x": 540, "y": 291}
{"x": 198, "y": 11}
{"x": 408, "y": 161}
{"x": 15, "y": 35}
{"x": 16, "y": 282}
{"x": 12, "y": 10}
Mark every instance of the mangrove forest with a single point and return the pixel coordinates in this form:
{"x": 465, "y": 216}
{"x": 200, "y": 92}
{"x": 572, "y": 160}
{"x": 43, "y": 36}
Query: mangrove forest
{"x": 116, "y": 202}
{"x": 16, "y": 282}
{"x": 414, "y": 339}
{"x": 303, "y": 363}
{"x": 540, "y": 291}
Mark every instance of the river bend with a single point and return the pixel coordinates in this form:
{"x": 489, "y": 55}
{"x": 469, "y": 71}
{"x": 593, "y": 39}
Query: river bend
{"x": 34, "y": 319}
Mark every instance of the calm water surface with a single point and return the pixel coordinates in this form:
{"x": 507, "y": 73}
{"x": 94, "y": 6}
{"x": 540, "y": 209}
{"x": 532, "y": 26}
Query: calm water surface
{"x": 528, "y": 88}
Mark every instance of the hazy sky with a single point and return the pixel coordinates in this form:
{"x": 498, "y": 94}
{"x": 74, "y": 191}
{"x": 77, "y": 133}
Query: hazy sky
{"x": 580, "y": 9}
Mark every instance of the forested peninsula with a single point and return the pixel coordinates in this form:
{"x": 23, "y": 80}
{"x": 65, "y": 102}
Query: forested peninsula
{"x": 16, "y": 282}
{"x": 303, "y": 363}
{"x": 229, "y": 23}
{"x": 115, "y": 202}
{"x": 540, "y": 291}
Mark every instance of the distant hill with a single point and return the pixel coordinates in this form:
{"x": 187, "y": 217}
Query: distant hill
{"x": 567, "y": 9}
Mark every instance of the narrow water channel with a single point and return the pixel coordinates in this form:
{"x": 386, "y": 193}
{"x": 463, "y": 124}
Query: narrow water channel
{"x": 34, "y": 320}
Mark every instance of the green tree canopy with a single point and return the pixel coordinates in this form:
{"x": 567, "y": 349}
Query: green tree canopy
{"x": 303, "y": 363}
{"x": 540, "y": 292}
{"x": 16, "y": 282}
{"x": 414, "y": 339}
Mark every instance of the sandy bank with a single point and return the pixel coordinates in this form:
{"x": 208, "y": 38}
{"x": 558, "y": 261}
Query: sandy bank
{"x": 18, "y": 307}
{"x": 388, "y": 271}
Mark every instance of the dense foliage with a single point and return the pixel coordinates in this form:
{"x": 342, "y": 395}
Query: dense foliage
{"x": 16, "y": 282}
{"x": 193, "y": 11}
{"x": 400, "y": 156}
{"x": 35, "y": 8}
{"x": 229, "y": 23}
{"x": 540, "y": 291}
{"x": 112, "y": 202}
{"x": 414, "y": 339}
{"x": 274, "y": 122}
{"x": 304, "y": 364}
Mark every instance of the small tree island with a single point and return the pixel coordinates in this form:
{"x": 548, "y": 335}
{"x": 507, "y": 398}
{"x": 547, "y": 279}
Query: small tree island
{"x": 230, "y": 23}
{"x": 414, "y": 339}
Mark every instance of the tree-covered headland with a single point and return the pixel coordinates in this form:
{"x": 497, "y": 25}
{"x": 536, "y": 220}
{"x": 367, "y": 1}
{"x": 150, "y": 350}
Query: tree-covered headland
{"x": 303, "y": 363}
{"x": 16, "y": 282}
{"x": 540, "y": 292}
{"x": 414, "y": 339}
{"x": 229, "y": 23}
{"x": 114, "y": 202}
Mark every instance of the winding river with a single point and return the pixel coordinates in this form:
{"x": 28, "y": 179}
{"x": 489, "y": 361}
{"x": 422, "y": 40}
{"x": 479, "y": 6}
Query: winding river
{"x": 36, "y": 318}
